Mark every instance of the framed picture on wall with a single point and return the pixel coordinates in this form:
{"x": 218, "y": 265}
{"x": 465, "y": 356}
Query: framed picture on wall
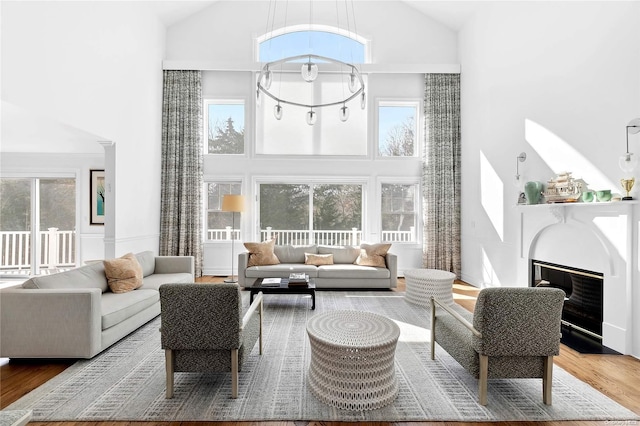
{"x": 97, "y": 197}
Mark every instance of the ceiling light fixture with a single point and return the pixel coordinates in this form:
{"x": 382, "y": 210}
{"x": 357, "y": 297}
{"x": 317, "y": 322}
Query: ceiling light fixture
{"x": 312, "y": 68}
{"x": 309, "y": 72}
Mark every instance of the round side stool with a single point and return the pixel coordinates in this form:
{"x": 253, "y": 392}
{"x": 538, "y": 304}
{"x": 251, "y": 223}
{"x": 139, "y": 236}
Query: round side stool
{"x": 421, "y": 284}
{"x": 352, "y": 359}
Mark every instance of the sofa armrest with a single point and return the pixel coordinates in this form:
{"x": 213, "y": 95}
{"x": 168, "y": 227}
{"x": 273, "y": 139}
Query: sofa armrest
{"x": 50, "y": 323}
{"x": 243, "y": 262}
{"x": 175, "y": 264}
{"x": 392, "y": 264}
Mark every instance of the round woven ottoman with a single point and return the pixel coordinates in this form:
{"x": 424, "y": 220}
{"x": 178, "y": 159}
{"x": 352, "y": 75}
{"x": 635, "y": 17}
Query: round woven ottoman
{"x": 352, "y": 359}
{"x": 421, "y": 284}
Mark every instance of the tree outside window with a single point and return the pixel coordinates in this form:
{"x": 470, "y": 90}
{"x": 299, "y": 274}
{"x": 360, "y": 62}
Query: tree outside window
{"x": 336, "y": 217}
{"x": 398, "y": 212}
{"x": 225, "y": 127}
{"x": 397, "y": 129}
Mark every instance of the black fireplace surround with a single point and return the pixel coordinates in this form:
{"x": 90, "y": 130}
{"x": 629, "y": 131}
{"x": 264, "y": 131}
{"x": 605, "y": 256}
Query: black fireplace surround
{"x": 583, "y": 289}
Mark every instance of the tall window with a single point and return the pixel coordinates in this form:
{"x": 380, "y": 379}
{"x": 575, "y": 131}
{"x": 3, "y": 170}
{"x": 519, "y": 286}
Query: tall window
{"x": 399, "y": 212}
{"x": 311, "y": 213}
{"x": 397, "y": 129}
{"x": 219, "y": 223}
{"x": 225, "y": 126}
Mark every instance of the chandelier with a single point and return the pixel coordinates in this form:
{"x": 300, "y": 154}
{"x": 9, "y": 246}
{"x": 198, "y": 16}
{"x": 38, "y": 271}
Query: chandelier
{"x": 312, "y": 68}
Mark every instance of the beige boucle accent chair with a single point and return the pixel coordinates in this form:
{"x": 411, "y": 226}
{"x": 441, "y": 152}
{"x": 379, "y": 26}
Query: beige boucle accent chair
{"x": 204, "y": 329}
{"x": 512, "y": 333}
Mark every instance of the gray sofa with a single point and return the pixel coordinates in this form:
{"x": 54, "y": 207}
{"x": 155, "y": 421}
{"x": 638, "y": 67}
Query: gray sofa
{"x": 73, "y": 314}
{"x": 342, "y": 274}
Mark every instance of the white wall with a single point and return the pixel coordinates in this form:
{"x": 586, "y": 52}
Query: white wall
{"x": 95, "y": 67}
{"x": 559, "y": 81}
{"x": 225, "y": 32}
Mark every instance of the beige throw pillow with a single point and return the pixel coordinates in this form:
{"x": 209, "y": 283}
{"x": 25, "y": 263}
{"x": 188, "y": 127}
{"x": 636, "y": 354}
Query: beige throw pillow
{"x": 373, "y": 255}
{"x": 318, "y": 259}
{"x": 123, "y": 274}
{"x": 261, "y": 254}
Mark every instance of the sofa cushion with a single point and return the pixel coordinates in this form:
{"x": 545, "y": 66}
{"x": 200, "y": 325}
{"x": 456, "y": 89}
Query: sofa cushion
{"x": 124, "y": 274}
{"x": 341, "y": 254}
{"x": 318, "y": 259}
{"x": 262, "y": 253}
{"x": 87, "y": 276}
{"x": 148, "y": 262}
{"x": 156, "y": 280}
{"x": 293, "y": 254}
{"x": 373, "y": 254}
{"x": 281, "y": 270}
{"x": 352, "y": 271}
{"x": 118, "y": 307}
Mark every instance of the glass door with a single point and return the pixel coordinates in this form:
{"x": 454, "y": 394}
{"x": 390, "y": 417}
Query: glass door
{"x": 37, "y": 225}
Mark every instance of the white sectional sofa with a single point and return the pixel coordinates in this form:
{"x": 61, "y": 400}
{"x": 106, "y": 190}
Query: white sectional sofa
{"x": 73, "y": 314}
{"x": 343, "y": 273}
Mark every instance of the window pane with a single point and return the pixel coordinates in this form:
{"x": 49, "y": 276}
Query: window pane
{"x": 321, "y": 43}
{"x": 396, "y": 130}
{"x": 337, "y": 210}
{"x": 217, "y": 220}
{"x": 398, "y": 212}
{"x": 284, "y": 211}
{"x": 336, "y": 219}
{"x": 225, "y": 128}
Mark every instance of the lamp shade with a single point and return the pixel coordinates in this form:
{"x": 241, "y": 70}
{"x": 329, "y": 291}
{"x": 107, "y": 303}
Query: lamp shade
{"x": 233, "y": 203}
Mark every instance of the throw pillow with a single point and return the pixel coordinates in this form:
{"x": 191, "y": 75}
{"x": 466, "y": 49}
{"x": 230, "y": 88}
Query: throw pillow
{"x": 123, "y": 274}
{"x": 261, "y": 254}
{"x": 373, "y": 255}
{"x": 318, "y": 259}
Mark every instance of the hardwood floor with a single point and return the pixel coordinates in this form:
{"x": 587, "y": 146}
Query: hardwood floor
{"x": 617, "y": 376}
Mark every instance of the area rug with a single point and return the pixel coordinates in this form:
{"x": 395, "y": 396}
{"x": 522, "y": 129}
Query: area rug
{"x": 127, "y": 382}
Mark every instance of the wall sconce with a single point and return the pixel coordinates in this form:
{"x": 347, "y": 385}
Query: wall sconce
{"x": 628, "y": 161}
{"x": 519, "y": 159}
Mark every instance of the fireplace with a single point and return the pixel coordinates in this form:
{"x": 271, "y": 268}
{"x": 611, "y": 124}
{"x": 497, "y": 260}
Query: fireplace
{"x": 582, "y": 309}
{"x": 599, "y": 239}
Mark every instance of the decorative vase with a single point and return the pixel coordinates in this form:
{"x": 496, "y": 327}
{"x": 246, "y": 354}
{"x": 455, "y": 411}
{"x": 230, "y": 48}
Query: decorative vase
{"x": 533, "y": 189}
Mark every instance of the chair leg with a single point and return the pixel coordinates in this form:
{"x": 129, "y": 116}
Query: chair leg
{"x": 169, "y": 365}
{"x": 484, "y": 379}
{"x": 261, "y": 316}
{"x": 547, "y": 380}
{"x": 234, "y": 373}
{"x": 433, "y": 329}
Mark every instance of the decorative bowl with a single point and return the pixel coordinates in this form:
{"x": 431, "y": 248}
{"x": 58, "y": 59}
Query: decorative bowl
{"x": 603, "y": 195}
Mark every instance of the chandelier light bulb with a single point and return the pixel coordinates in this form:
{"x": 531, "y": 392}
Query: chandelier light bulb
{"x": 628, "y": 162}
{"x": 311, "y": 117}
{"x": 277, "y": 111}
{"x": 258, "y": 102}
{"x": 309, "y": 71}
{"x": 363, "y": 101}
{"x": 268, "y": 79}
{"x": 353, "y": 86}
{"x": 344, "y": 113}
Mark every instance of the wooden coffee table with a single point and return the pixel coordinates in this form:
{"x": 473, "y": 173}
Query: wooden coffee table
{"x": 284, "y": 288}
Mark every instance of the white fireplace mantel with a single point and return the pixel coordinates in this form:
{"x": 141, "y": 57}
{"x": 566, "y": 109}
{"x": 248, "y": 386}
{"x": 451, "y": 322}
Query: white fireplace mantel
{"x": 600, "y": 237}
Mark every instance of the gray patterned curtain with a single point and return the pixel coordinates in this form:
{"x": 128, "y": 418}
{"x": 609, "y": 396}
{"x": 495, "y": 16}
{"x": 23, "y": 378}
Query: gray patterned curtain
{"x": 441, "y": 173}
{"x": 180, "y": 216}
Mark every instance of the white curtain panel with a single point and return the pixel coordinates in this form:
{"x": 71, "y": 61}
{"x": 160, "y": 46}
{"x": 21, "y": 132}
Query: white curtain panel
{"x": 441, "y": 173}
{"x": 180, "y": 217}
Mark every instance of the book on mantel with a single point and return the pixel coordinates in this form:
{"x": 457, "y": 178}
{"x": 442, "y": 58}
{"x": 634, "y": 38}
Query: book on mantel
{"x": 298, "y": 278}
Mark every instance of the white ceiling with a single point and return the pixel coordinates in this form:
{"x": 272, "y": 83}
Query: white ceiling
{"x": 452, "y": 13}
